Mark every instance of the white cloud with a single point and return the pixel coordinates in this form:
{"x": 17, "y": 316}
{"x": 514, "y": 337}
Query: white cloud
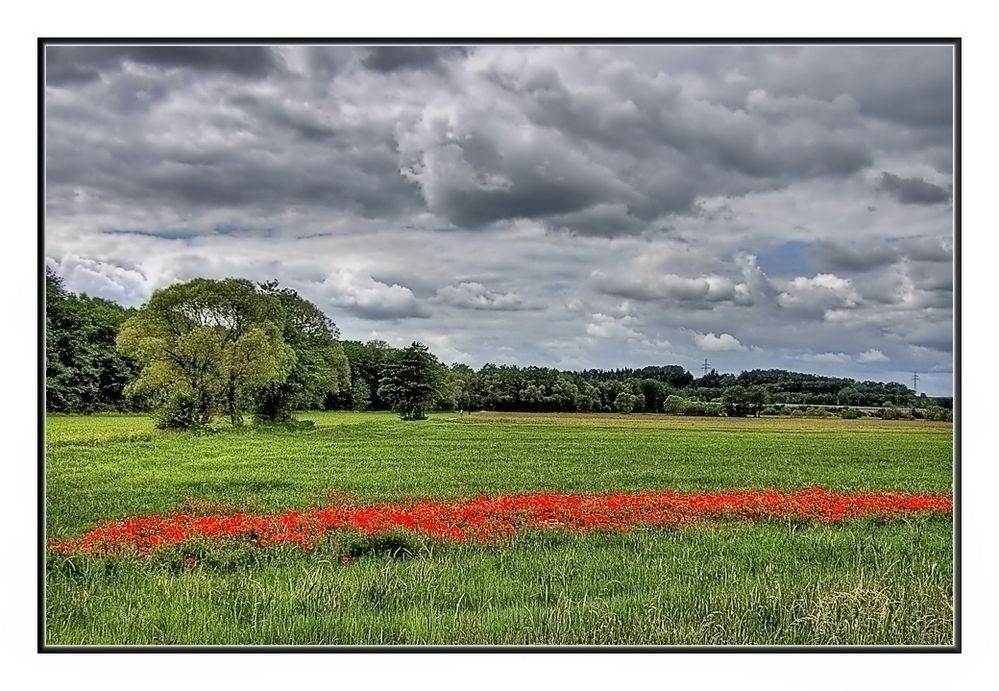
{"x": 872, "y": 355}
{"x": 721, "y": 342}
{"x": 369, "y": 298}
{"x": 819, "y": 293}
{"x": 607, "y": 326}
{"x": 831, "y": 358}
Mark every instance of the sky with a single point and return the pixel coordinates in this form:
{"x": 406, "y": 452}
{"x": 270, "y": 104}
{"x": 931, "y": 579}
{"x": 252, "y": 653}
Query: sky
{"x": 566, "y": 206}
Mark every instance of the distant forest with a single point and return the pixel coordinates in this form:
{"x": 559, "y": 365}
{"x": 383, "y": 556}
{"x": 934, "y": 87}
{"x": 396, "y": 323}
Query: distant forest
{"x": 87, "y": 371}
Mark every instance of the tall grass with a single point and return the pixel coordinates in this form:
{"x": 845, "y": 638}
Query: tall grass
{"x": 862, "y": 583}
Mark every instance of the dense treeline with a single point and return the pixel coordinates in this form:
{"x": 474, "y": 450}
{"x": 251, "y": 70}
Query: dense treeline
{"x": 84, "y": 371}
{"x": 227, "y": 347}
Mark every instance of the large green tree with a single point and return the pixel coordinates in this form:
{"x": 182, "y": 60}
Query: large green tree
{"x": 207, "y": 345}
{"x": 412, "y": 385}
{"x": 320, "y": 368}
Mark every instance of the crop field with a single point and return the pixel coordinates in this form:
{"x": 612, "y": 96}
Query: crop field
{"x": 500, "y": 529}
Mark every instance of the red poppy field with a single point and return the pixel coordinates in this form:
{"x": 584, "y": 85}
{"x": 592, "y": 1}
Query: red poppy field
{"x": 369, "y": 531}
{"x": 495, "y": 518}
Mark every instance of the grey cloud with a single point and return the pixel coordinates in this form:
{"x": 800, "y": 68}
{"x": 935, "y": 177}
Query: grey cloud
{"x": 476, "y": 296}
{"x": 867, "y": 255}
{"x": 838, "y": 256}
{"x": 912, "y": 190}
{"x": 577, "y": 151}
{"x": 67, "y": 64}
{"x": 928, "y": 249}
{"x": 244, "y": 61}
{"x": 625, "y": 190}
{"x": 399, "y": 58}
{"x": 667, "y": 287}
{"x": 487, "y": 172}
{"x": 605, "y": 220}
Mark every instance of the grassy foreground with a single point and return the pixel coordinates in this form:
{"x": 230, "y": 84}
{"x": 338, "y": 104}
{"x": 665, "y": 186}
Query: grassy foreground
{"x": 864, "y": 582}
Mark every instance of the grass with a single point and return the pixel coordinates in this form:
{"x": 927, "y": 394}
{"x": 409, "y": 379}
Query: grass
{"x": 865, "y": 582}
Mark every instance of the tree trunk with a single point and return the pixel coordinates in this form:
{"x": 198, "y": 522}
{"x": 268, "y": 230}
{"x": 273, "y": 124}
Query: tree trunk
{"x": 234, "y": 416}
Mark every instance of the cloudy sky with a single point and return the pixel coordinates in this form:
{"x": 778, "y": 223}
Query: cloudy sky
{"x": 571, "y": 206}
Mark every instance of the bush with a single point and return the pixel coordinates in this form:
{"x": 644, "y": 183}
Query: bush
{"x": 849, "y": 413}
{"x": 770, "y": 410}
{"x": 816, "y": 412}
{"x": 273, "y": 404}
{"x": 701, "y": 409}
{"x": 797, "y": 413}
{"x": 936, "y": 413}
{"x": 674, "y": 405}
{"x": 892, "y": 413}
{"x": 179, "y": 412}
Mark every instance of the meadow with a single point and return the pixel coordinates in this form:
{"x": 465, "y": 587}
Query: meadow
{"x": 866, "y": 581}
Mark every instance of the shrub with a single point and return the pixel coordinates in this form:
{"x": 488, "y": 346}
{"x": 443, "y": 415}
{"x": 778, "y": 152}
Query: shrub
{"x": 674, "y": 405}
{"x": 179, "y": 412}
{"x": 938, "y": 414}
{"x": 849, "y": 413}
{"x": 701, "y": 409}
{"x": 890, "y": 412}
{"x": 273, "y": 404}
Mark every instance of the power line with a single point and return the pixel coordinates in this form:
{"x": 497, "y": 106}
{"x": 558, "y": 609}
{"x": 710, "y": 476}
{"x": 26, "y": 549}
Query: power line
{"x": 915, "y": 380}
{"x": 705, "y": 366}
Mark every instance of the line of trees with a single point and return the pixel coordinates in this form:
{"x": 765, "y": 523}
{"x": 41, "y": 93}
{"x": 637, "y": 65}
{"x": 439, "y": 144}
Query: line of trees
{"x": 227, "y": 348}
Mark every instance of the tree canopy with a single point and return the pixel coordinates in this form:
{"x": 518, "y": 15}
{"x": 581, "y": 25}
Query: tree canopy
{"x": 84, "y": 371}
{"x": 412, "y": 384}
{"x": 320, "y": 369}
{"x": 208, "y": 345}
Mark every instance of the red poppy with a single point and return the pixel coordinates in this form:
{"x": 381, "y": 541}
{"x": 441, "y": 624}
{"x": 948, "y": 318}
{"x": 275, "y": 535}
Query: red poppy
{"x": 498, "y": 517}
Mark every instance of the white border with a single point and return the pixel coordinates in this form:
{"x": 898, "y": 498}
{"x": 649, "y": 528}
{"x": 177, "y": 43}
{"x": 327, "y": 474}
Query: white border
{"x": 623, "y": 18}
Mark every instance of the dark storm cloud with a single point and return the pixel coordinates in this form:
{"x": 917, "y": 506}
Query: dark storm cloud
{"x": 245, "y": 61}
{"x": 538, "y": 138}
{"x": 74, "y": 64}
{"x": 400, "y": 58}
{"x": 912, "y": 190}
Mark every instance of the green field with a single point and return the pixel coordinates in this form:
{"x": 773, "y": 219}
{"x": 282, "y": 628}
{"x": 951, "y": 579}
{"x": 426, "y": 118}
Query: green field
{"x": 865, "y": 582}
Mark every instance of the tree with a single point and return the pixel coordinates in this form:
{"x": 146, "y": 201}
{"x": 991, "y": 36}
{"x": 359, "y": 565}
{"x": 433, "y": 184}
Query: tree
{"x": 757, "y": 397}
{"x": 654, "y": 393}
{"x": 735, "y": 400}
{"x": 625, "y": 402}
{"x": 84, "y": 372}
{"x": 411, "y": 384}
{"x": 589, "y": 397}
{"x": 208, "y": 345}
{"x": 367, "y": 362}
{"x": 360, "y": 395}
{"x": 320, "y": 368}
